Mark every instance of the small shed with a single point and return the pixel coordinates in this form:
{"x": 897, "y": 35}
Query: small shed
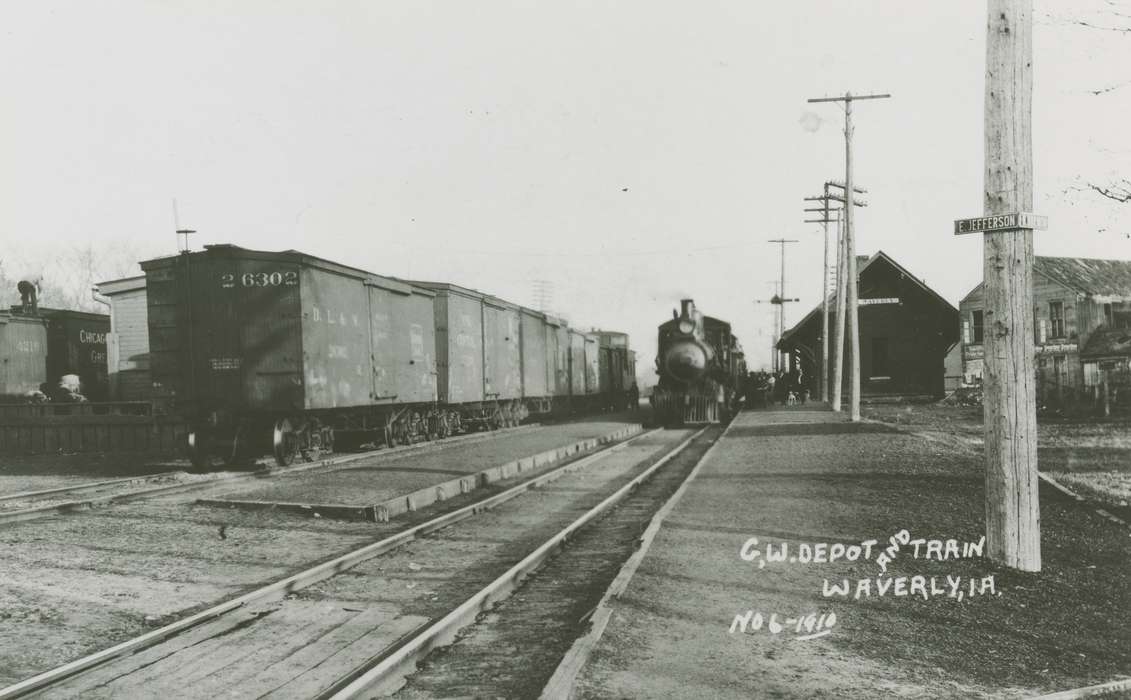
{"x": 127, "y": 344}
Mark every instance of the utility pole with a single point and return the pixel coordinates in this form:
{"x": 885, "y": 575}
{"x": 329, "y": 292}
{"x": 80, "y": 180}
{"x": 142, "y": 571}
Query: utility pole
{"x": 781, "y": 300}
{"x": 775, "y": 334}
{"x": 825, "y": 221}
{"x": 1013, "y": 529}
{"x": 850, "y": 248}
{"x": 774, "y": 327}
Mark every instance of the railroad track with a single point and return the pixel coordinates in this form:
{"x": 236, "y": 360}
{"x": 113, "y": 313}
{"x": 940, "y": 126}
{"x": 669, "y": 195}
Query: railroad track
{"x": 20, "y": 507}
{"x": 358, "y": 623}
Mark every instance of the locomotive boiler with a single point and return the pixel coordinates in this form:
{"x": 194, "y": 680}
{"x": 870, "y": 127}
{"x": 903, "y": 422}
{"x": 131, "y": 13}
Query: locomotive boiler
{"x": 700, "y": 366}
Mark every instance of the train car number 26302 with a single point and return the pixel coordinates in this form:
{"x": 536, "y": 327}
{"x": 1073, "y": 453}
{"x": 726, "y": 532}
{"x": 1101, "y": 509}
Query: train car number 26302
{"x": 288, "y": 278}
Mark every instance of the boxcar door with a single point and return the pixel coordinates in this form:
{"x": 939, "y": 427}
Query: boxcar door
{"x": 382, "y": 350}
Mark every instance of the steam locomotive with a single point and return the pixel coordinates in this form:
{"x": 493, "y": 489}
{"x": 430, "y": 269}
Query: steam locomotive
{"x": 701, "y": 367}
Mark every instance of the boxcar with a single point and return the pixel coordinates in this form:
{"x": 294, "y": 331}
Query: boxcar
{"x": 592, "y": 365}
{"x": 287, "y": 351}
{"x": 497, "y": 361}
{"x": 40, "y": 346}
{"x": 617, "y": 370}
{"x": 291, "y": 353}
{"x": 535, "y": 366}
{"x": 23, "y": 347}
{"x": 576, "y": 364}
{"x": 76, "y": 344}
{"x": 557, "y": 335}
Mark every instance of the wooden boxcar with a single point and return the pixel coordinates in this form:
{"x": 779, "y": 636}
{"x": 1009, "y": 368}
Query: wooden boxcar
{"x": 76, "y": 344}
{"x": 290, "y": 353}
{"x": 479, "y": 359}
{"x": 617, "y": 371}
{"x": 23, "y": 347}
{"x": 260, "y": 349}
{"x": 38, "y": 347}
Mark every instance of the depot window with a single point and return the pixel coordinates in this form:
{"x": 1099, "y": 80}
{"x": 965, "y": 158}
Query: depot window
{"x": 977, "y": 317}
{"x": 1056, "y": 319}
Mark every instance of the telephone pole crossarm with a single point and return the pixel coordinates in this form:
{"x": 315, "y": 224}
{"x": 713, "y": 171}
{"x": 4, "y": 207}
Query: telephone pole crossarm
{"x": 848, "y": 266}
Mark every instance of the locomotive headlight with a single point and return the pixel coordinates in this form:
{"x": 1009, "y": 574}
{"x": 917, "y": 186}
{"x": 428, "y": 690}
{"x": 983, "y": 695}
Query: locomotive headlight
{"x": 686, "y": 326}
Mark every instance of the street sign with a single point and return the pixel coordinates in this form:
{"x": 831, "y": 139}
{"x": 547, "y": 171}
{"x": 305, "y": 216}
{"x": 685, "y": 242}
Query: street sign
{"x": 881, "y": 300}
{"x": 1001, "y": 222}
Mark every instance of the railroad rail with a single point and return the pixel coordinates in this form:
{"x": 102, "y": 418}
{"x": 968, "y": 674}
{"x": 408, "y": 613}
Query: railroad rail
{"x": 412, "y": 637}
{"x": 48, "y": 681}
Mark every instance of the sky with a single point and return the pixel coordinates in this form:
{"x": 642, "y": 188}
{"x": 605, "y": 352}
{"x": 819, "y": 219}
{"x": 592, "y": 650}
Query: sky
{"x": 628, "y": 153}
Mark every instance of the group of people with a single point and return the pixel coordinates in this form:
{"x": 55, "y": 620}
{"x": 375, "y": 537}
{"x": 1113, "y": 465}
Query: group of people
{"x": 767, "y": 388}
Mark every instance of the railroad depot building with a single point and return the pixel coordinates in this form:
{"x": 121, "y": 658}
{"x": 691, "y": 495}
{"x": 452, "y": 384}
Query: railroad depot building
{"x": 1081, "y": 325}
{"x": 906, "y": 330}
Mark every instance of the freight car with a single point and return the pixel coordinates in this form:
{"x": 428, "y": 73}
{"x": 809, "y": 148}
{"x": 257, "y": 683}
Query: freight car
{"x": 39, "y": 346}
{"x": 292, "y": 354}
{"x": 617, "y": 367}
{"x": 700, "y": 366}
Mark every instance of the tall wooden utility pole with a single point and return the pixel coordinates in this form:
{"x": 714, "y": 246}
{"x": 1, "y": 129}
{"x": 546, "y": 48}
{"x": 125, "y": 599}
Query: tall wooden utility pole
{"x": 824, "y": 221}
{"x": 837, "y": 276}
{"x": 1013, "y": 528}
{"x": 850, "y": 248}
{"x": 780, "y": 296}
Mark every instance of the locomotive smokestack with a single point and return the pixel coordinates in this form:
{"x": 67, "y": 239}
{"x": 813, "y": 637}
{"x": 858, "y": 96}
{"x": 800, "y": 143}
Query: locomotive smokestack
{"x": 687, "y": 307}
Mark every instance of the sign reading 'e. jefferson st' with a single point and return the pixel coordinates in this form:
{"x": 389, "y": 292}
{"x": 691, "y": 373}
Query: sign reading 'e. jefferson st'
{"x": 1001, "y": 222}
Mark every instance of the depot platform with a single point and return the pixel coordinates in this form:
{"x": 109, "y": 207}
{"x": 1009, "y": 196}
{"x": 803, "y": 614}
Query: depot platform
{"x": 705, "y": 614}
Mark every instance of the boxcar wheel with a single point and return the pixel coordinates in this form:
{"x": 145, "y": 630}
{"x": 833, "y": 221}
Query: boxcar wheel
{"x": 285, "y": 443}
{"x": 310, "y": 442}
{"x": 200, "y": 450}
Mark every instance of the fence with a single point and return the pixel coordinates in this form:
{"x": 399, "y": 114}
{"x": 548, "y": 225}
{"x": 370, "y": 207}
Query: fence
{"x": 88, "y": 427}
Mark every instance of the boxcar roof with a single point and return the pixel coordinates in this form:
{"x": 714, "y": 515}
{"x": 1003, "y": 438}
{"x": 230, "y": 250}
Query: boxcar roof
{"x": 294, "y": 256}
{"x": 46, "y": 312}
{"x": 476, "y": 294}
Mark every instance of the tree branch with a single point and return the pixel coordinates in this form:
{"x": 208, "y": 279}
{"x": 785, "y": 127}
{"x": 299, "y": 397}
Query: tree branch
{"x": 1120, "y": 192}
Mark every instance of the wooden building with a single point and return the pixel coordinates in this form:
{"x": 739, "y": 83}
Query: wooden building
{"x": 906, "y": 330}
{"x": 1082, "y": 321}
{"x": 127, "y": 344}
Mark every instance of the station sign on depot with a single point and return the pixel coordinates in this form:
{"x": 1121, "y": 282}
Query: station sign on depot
{"x": 1001, "y": 222}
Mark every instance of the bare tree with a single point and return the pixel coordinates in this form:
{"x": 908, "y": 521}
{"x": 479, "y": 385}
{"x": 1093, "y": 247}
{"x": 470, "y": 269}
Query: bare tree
{"x": 1107, "y": 16}
{"x": 66, "y": 275}
{"x": 1120, "y": 190}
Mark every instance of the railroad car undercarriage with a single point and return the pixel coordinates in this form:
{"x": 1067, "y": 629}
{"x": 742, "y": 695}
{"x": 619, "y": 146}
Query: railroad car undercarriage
{"x": 306, "y": 436}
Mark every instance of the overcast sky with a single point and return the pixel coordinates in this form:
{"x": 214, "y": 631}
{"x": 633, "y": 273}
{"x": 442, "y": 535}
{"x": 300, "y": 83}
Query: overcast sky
{"x": 629, "y": 153}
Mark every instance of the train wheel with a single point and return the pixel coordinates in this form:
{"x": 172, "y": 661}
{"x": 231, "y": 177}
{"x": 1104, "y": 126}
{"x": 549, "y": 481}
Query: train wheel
{"x": 284, "y": 442}
{"x": 312, "y": 453}
{"x": 198, "y": 452}
{"x": 310, "y": 442}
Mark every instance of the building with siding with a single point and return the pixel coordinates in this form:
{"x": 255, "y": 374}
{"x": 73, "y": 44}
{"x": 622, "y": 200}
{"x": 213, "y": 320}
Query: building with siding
{"x": 1081, "y": 325}
{"x": 906, "y": 331}
{"x": 127, "y": 344}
